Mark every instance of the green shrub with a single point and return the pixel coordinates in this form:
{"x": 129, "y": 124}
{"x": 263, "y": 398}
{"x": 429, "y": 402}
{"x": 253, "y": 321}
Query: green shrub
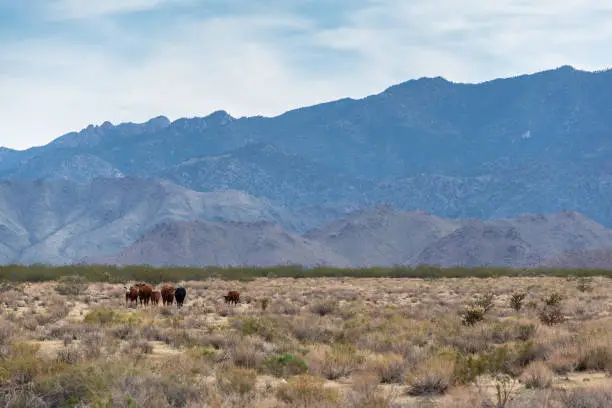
{"x": 285, "y": 365}
{"x": 110, "y": 316}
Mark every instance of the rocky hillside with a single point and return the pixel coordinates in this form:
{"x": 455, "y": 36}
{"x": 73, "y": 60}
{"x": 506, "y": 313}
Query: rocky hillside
{"x": 62, "y": 221}
{"x": 379, "y": 236}
{"x": 199, "y": 243}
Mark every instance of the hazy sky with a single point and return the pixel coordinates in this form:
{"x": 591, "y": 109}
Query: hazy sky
{"x": 67, "y": 63}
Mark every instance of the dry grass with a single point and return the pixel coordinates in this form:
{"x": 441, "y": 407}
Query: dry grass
{"x": 317, "y": 342}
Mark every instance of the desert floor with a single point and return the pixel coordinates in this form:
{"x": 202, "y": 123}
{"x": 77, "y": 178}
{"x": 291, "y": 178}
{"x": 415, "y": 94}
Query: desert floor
{"x": 321, "y": 342}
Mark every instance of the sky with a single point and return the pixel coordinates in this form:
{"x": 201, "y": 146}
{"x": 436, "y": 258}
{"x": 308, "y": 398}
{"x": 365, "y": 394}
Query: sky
{"x": 65, "y": 64}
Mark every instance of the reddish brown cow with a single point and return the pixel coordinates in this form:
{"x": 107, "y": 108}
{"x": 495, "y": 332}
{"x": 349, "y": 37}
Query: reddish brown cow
{"x": 144, "y": 293}
{"x": 155, "y": 296}
{"x": 167, "y": 294}
{"x": 233, "y": 296}
{"x": 131, "y": 295}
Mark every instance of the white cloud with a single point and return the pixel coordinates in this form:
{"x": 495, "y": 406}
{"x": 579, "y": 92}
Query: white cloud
{"x": 79, "y": 9}
{"x": 251, "y": 64}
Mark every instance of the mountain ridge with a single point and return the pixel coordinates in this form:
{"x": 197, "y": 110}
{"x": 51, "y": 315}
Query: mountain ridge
{"x": 535, "y": 143}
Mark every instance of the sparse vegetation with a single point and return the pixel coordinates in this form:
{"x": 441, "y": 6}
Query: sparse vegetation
{"x": 324, "y": 342}
{"x": 120, "y": 274}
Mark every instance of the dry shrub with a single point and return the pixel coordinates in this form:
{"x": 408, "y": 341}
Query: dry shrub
{"x": 462, "y": 397}
{"x": 537, "y": 375}
{"x": 282, "y": 307}
{"x": 390, "y": 368}
{"x": 471, "y": 340}
{"x": 150, "y": 333}
{"x": 247, "y": 354}
{"x": 584, "y": 284}
{"x": 12, "y": 298}
{"x": 236, "y": 380}
{"x": 365, "y": 392}
{"x": 587, "y": 398}
{"x": 594, "y": 355}
{"x": 124, "y": 332}
{"x": 138, "y": 347}
{"x": 155, "y": 392}
{"x": 7, "y": 330}
{"x": 214, "y": 340}
{"x": 339, "y": 361}
{"x": 307, "y": 391}
{"x": 316, "y": 330}
{"x": 526, "y": 331}
{"x": 324, "y": 307}
{"x": 564, "y": 358}
{"x": 269, "y": 329}
{"x": 69, "y": 355}
{"x": 72, "y": 285}
{"x": 76, "y": 386}
{"x": 22, "y": 364}
{"x": 55, "y": 313}
{"x": 29, "y": 323}
{"x": 533, "y": 351}
{"x": 92, "y": 344}
{"x": 433, "y": 377}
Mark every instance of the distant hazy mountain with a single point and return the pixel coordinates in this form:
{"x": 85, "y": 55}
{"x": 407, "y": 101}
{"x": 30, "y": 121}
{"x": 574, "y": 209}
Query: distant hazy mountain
{"x": 479, "y": 244}
{"x": 62, "y": 222}
{"x": 458, "y": 163}
{"x": 199, "y": 243}
{"x": 594, "y": 258}
{"x": 382, "y": 235}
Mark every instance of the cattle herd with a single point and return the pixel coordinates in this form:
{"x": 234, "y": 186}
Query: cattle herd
{"x": 145, "y": 293}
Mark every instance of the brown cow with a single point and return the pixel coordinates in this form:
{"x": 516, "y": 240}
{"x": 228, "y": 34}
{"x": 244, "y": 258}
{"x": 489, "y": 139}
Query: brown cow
{"x": 233, "y": 296}
{"x": 144, "y": 293}
{"x": 167, "y": 294}
{"x": 131, "y": 295}
{"x": 155, "y": 296}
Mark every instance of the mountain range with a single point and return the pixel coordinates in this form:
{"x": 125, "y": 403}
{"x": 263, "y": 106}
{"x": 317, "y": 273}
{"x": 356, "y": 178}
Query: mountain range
{"x": 513, "y": 171}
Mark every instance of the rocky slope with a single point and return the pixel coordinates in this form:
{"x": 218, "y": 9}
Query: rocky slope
{"x": 62, "y": 222}
{"x": 199, "y": 243}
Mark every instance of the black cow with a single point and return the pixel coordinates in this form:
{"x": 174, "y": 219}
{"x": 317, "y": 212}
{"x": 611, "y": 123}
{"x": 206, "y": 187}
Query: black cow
{"x": 179, "y": 295}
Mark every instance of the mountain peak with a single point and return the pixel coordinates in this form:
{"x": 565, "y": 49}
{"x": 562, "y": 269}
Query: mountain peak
{"x": 158, "y": 122}
{"x": 220, "y": 117}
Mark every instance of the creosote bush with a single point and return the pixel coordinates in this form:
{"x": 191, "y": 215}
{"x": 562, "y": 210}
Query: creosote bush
{"x": 71, "y": 285}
